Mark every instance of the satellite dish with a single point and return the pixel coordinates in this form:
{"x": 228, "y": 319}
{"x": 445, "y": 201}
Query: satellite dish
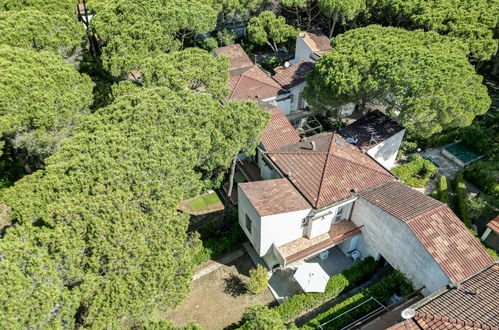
{"x": 287, "y": 64}
{"x": 408, "y": 313}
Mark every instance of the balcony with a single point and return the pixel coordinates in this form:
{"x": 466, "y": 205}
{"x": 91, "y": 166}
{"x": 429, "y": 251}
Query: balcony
{"x": 304, "y": 247}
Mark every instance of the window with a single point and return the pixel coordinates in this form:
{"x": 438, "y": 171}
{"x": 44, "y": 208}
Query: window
{"x": 248, "y": 224}
{"x": 339, "y": 214}
{"x": 301, "y": 101}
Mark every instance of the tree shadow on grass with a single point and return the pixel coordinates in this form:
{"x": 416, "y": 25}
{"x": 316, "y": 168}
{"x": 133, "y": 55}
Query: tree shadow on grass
{"x": 235, "y": 286}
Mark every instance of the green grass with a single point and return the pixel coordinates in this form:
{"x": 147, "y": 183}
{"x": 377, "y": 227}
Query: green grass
{"x": 203, "y": 201}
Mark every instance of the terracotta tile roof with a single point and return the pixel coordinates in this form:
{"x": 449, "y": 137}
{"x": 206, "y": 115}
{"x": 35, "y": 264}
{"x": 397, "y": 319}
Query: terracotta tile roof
{"x": 279, "y": 132}
{"x": 304, "y": 247}
{"x": 459, "y": 306}
{"x": 494, "y": 225}
{"x": 399, "y": 200}
{"x": 330, "y": 172}
{"x": 270, "y": 197}
{"x": 405, "y": 325}
{"x": 317, "y": 41}
{"x": 253, "y": 84}
{"x": 374, "y": 124}
{"x": 294, "y": 75}
{"x": 440, "y": 231}
{"x": 239, "y": 60}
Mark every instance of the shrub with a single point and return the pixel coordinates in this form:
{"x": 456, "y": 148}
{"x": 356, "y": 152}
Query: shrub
{"x": 210, "y": 43}
{"x": 485, "y": 174}
{"x": 382, "y": 291}
{"x": 443, "y": 191}
{"x": 258, "y": 279}
{"x": 407, "y": 147}
{"x": 219, "y": 244}
{"x": 483, "y": 207}
{"x": 416, "y": 172}
{"x": 413, "y": 157}
{"x": 336, "y": 285}
{"x": 261, "y": 317}
{"x": 226, "y": 37}
{"x": 446, "y": 138}
{"x": 461, "y": 197}
{"x": 492, "y": 252}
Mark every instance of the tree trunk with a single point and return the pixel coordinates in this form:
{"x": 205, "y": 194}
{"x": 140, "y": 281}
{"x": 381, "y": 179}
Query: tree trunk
{"x": 334, "y": 20}
{"x": 231, "y": 176}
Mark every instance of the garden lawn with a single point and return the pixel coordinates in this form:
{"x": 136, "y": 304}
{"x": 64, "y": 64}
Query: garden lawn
{"x": 203, "y": 201}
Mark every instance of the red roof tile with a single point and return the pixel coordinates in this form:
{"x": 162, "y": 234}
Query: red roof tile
{"x": 239, "y": 60}
{"x": 279, "y": 132}
{"x": 330, "y": 172}
{"x": 270, "y": 197}
{"x": 494, "y": 225}
{"x": 316, "y": 40}
{"x": 253, "y": 84}
{"x": 440, "y": 231}
{"x": 294, "y": 75}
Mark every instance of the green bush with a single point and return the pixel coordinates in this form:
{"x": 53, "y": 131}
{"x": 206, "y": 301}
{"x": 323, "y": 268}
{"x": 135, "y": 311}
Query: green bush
{"x": 461, "y": 197}
{"x": 258, "y": 279}
{"x": 407, "y": 147}
{"x": 210, "y": 43}
{"x": 445, "y": 138}
{"x": 215, "y": 246}
{"x": 336, "y": 285}
{"x": 261, "y": 317}
{"x": 413, "y": 157}
{"x": 492, "y": 252}
{"x": 443, "y": 191}
{"x": 485, "y": 174}
{"x": 416, "y": 172}
{"x": 381, "y": 291}
{"x": 226, "y": 37}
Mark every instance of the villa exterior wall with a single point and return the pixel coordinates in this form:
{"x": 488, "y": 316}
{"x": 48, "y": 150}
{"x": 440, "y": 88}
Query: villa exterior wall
{"x": 395, "y": 241}
{"x": 385, "y": 153}
{"x": 302, "y": 50}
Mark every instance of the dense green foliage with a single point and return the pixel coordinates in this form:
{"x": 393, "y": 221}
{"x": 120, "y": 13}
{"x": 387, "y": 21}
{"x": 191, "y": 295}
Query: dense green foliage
{"x": 108, "y": 222}
{"x": 339, "y": 11}
{"x": 483, "y": 208}
{"x": 258, "y": 279}
{"x": 336, "y": 285}
{"x": 416, "y": 172}
{"x": 131, "y": 31}
{"x": 424, "y": 78}
{"x": 219, "y": 243}
{"x": 382, "y": 291}
{"x": 42, "y": 100}
{"x": 269, "y": 29}
{"x": 461, "y": 199}
{"x": 49, "y": 7}
{"x": 260, "y": 317}
{"x": 36, "y": 30}
{"x": 485, "y": 174}
{"x": 470, "y": 21}
{"x": 443, "y": 191}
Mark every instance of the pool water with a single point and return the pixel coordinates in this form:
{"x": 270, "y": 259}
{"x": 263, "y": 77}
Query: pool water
{"x": 462, "y": 152}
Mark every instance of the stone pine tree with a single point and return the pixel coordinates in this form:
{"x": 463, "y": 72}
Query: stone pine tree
{"x": 425, "y": 79}
{"x": 43, "y": 98}
{"x": 269, "y": 29}
{"x": 340, "y": 11}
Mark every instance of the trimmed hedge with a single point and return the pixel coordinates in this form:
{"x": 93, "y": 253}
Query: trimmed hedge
{"x": 336, "y": 285}
{"x": 382, "y": 291}
{"x": 443, "y": 191}
{"x": 461, "y": 197}
{"x": 416, "y": 172}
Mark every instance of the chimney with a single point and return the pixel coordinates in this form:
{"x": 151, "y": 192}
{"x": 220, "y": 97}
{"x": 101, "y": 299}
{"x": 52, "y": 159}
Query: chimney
{"x": 313, "y": 145}
{"x": 477, "y": 292}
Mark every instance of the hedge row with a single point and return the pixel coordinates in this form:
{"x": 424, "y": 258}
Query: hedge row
{"x": 382, "y": 291}
{"x": 336, "y": 285}
{"x": 485, "y": 174}
{"x": 443, "y": 191}
{"x": 461, "y": 197}
{"x": 416, "y": 172}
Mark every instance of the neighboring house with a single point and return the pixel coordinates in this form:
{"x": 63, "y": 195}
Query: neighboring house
{"x": 378, "y": 134}
{"x": 324, "y": 192}
{"x": 248, "y": 82}
{"x": 292, "y": 78}
{"x": 311, "y": 45}
{"x": 491, "y": 234}
{"x": 472, "y": 303}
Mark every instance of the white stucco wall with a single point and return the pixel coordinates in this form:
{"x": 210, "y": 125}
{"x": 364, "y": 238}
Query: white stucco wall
{"x": 302, "y": 50}
{"x": 321, "y": 221}
{"x": 245, "y": 208}
{"x": 266, "y": 171}
{"x": 296, "y": 90}
{"x": 385, "y": 153}
{"x": 396, "y": 242}
{"x": 280, "y": 229}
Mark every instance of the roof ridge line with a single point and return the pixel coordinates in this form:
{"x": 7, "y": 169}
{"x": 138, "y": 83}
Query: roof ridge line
{"x": 235, "y": 87}
{"x": 295, "y": 152}
{"x": 328, "y": 155}
{"x": 244, "y": 74}
{"x": 442, "y": 205}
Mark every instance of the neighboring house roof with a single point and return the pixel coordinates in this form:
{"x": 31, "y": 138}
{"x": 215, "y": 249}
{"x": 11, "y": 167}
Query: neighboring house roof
{"x": 460, "y": 306}
{"x": 294, "y": 75}
{"x": 317, "y": 41}
{"x": 239, "y": 60}
{"x": 331, "y": 172}
{"x": 253, "y": 84}
{"x": 279, "y": 132}
{"x": 494, "y": 225}
{"x": 372, "y": 129}
{"x": 271, "y": 197}
{"x": 440, "y": 231}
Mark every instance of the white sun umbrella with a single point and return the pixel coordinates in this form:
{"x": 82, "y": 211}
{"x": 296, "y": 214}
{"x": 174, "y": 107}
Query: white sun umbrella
{"x": 311, "y": 277}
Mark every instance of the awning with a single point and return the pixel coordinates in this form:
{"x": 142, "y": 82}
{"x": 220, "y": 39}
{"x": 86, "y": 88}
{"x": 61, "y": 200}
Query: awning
{"x": 311, "y": 277}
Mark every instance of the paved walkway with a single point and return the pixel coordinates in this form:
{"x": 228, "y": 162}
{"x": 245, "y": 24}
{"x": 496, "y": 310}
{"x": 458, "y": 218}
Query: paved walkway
{"x": 212, "y": 265}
